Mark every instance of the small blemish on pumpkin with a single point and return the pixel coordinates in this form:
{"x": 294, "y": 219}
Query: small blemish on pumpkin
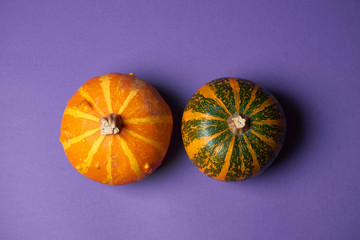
{"x": 114, "y": 155}
{"x": 97, "y": 165}
{"x": 114, "y": 163}
{"x": 139, "y": 83}
{"x": 78, "y": 167}
{"x": 147, "y": 168}
{"x": 66, "y": 134}
{"x": 86, "y": 106}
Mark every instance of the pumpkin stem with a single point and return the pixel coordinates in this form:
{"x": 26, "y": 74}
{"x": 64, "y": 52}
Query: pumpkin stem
{"x": 110, "y": 124}
{"x": 238, "y": 123}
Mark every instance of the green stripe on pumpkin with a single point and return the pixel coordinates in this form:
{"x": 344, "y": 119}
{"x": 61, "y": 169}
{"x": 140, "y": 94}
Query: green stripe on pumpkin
{"x": 224, "y": 91}
{"x": 246, "y": 88}
{"x": 247, "y": 158}
{"x": 194, "y": 129}
{"x": 211, "y": 157}
{"x": 274, "y": 132}
{"x": 198, "y": 103}
{"x": 269, "y": 113}
{"x": 234, "y": 171}
{"x": 262, "y": 150}
{"x": 260, "y": 97}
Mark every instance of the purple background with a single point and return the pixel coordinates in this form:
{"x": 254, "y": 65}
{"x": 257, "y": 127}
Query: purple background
{"x": 306, "y": 52}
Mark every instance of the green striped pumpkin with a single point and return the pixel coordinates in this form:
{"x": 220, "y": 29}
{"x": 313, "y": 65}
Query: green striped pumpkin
{"x": 232, "y": 129}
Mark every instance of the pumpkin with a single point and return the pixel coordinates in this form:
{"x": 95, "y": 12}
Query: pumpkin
{"x": 232, "y": 129}
{"x": 116, "y": 129}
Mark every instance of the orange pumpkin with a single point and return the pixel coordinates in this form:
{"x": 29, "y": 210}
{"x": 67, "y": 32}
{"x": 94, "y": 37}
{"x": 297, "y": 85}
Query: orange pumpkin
{"x": 116, "y": 129}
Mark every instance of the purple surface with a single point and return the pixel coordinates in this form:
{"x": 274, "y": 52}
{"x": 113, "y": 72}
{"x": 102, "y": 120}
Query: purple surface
{"x": 306, "y": 52}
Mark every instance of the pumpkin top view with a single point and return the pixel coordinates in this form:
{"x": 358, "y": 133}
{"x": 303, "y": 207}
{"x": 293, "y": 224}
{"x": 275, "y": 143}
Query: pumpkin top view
{"x": 116, "y": 129}
{"x": 232, "y": 129}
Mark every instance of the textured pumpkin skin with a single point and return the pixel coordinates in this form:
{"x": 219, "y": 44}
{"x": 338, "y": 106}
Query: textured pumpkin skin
{"x": 213, "y": 148}
{"x": 144, "y": 138}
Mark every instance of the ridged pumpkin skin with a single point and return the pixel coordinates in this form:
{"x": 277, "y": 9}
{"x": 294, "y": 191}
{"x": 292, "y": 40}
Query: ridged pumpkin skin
{"x": 210, "y": 144}
{"x": 140, "y": 146}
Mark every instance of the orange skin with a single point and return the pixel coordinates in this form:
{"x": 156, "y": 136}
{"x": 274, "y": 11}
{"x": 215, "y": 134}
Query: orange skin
{"x": 144, "y": 138}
